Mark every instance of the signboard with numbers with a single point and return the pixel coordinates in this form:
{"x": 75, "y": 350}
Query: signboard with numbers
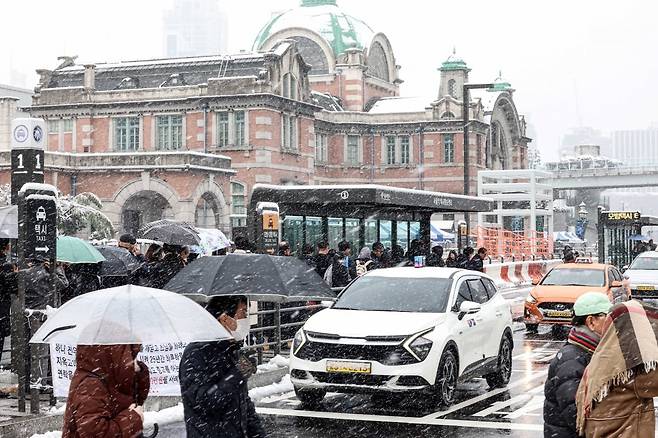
{"x": 27, "y": 146}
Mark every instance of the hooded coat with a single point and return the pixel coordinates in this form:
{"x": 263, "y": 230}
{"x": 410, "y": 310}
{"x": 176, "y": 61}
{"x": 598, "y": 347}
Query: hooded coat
{"x": 103, "y": 387}
{"x": 215, "y": 396}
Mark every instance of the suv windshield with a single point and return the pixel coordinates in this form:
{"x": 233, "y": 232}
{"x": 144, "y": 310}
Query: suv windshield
{"x": 645, "y": 263}
{"x": 574, "y": 277}
{"x": 395, "y": 294}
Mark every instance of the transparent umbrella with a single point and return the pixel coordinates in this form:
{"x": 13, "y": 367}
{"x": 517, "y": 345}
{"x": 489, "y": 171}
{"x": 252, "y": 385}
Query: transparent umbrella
{"x": 129, "y": 315}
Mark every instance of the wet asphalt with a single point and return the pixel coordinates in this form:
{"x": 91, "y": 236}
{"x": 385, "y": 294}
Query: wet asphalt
{"x": 478, "y": 411}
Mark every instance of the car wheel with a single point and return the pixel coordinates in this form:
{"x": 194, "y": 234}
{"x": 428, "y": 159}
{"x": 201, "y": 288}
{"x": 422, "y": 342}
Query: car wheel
{"x": 446, "y": 379}
{"x": 532, "y": 328}
{"x": 502, "y": 376}
{"x": 310, "y": 396}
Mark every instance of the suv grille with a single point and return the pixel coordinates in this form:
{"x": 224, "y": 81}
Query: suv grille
{"x": 384, "y": 354}
{"x": 350, "y": 379}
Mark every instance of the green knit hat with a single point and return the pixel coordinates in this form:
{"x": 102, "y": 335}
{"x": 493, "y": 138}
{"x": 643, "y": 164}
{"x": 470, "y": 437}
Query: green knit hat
{"x": 592, "y": 303}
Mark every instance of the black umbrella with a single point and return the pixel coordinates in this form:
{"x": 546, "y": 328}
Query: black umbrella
{"x": 258, "y": 276}
{"x": 171, "y": 232}
{"x": 118, "y": 262}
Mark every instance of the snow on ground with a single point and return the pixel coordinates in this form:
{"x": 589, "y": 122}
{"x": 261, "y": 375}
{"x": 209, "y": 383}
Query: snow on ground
{"x": 53, "y": 434}
{"x": 170, "y": 415}
{"x": 275, "y": 363}
{"x": 258, "y": 394}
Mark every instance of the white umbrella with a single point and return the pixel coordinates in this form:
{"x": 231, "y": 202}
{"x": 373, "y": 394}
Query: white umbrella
{"x": 129, "y": 315}
{"x": 212, "y": 240}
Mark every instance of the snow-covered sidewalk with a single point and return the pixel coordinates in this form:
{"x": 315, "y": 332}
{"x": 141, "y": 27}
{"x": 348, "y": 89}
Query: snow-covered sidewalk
{"x": 174, "y": 414}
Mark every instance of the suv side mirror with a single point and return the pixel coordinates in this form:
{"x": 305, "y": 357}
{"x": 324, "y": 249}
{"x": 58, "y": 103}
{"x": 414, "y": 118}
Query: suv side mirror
{"x": 535, "y": 281}
{"x": 624, "y": 268}
{"x": 616, "y": 283}
{"x": 468, "y": 307}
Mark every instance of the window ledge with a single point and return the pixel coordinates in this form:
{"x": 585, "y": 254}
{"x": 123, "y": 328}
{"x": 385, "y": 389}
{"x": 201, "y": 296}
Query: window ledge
{"x": 398, "y": 166}
{"x": 246, "y": 147}
{"x": 291, "y": 151}
{"x": 354, "y": 165}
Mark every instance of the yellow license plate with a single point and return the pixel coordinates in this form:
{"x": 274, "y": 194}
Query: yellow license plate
{"x": 559, "y": 314}
{"x": 646, "y": 288}
{"x": 339, "y": 366}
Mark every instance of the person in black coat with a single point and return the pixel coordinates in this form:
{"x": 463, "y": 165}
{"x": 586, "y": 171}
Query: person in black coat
{"x": 214, "y": 390}
{"x": 436, "y": 257}
{"x": 476, "y": 263}
{"x": 174, "y": 260}
{"x": 323, "y": 258}
{"x": 567, "y": 367}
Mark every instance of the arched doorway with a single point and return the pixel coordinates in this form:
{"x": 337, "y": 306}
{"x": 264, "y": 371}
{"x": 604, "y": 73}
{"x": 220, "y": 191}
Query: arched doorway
{"x": 144, "y": 207}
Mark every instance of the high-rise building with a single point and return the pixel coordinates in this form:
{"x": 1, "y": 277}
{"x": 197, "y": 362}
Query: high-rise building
{"x": 195, "y": 28}
{"x": 637, "y": 147}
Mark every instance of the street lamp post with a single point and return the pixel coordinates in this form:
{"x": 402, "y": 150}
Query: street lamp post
{"x": 466, "y": 114}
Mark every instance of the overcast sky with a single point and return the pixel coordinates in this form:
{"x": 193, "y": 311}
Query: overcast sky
{"x": 575, "y": 62}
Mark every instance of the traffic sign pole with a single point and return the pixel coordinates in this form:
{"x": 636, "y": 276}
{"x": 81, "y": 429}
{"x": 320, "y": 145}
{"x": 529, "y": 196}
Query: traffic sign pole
{"x": 27, "y": 162}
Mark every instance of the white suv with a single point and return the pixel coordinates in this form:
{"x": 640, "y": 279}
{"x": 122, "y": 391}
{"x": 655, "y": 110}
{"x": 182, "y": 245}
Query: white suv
{"x": 643, "y": 276}
{"x": 406, "y": 329}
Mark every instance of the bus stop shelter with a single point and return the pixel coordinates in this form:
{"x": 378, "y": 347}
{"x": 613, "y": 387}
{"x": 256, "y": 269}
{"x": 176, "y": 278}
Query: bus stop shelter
{"x": 361, "y": 214}
{"x": 615, "y": 229}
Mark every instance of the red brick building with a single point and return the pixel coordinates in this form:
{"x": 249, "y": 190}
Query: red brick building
{"x": 316, "y": 102}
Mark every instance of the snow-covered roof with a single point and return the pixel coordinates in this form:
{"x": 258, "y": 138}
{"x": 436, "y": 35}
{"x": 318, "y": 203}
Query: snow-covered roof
{"x": 392, "y": 105}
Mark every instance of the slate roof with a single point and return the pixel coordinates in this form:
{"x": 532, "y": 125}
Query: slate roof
{"x": 156, "y": 73}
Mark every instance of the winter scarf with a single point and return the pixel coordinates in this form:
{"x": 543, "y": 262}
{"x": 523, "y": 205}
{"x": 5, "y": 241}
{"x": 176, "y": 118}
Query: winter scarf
{"x": 629, "y": 342}
{"x": 584, "y": 338}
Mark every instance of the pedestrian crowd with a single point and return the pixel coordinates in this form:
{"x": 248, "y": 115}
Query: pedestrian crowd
{"x": 339, "y": 266}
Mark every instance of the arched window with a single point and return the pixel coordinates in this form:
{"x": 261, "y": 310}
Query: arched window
{"x": 205, "y": 213}
{"x": 377, "y": 63}
{"x": 452, "y": 88}
{"x": 312, "y": 54}
{"x": 447, "y": 115}
{"x": 289, "y": 86}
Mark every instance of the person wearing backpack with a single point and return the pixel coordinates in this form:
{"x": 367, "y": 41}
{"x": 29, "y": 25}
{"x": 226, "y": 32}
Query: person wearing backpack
{"x": 343, "y": 269}
{"x": 364, "y": 262}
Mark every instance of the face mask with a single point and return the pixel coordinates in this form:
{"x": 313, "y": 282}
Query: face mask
{"x": 241, "y": 333}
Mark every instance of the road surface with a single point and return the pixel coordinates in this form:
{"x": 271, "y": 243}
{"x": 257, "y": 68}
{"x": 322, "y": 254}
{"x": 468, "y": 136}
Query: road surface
{"x": 478, "y": 412}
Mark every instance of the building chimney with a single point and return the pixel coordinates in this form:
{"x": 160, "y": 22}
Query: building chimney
{"x": 90, "y": 76}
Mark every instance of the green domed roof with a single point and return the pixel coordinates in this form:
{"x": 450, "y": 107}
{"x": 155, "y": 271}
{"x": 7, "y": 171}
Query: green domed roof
{"x": 341, "y": 31}
{"x": 454, "y": 62}
{"x": 500, "y": 84}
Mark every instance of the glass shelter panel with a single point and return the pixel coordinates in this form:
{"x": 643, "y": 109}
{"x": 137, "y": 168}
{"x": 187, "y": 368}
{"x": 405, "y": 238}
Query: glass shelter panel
{"x": 313, "y": 230}
{"x": 371, "y": 232}
{"x": 385, "y": 233}
{"x": 292, "y": 232}
{"x": 335, "y": 231}
{"x": 403, "y": 236}
{"x": 352, "y": 234}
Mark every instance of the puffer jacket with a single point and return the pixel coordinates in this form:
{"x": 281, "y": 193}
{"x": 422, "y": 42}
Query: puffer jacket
{"x": 215, "y": 396}
{"x": 627, "y": 411}
{"x": 564, "y": 375}
{"x": 103, "y": 387}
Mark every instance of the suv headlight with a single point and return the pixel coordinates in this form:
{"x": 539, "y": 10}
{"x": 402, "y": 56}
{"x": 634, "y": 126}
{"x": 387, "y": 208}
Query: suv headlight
{"x": 298, "y": 341}
{"x": 419, "y": 346}
{"x": 530, "y": 299}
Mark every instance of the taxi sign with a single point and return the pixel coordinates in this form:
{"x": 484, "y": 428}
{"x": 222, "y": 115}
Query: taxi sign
{"x": 584, "y": 260}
